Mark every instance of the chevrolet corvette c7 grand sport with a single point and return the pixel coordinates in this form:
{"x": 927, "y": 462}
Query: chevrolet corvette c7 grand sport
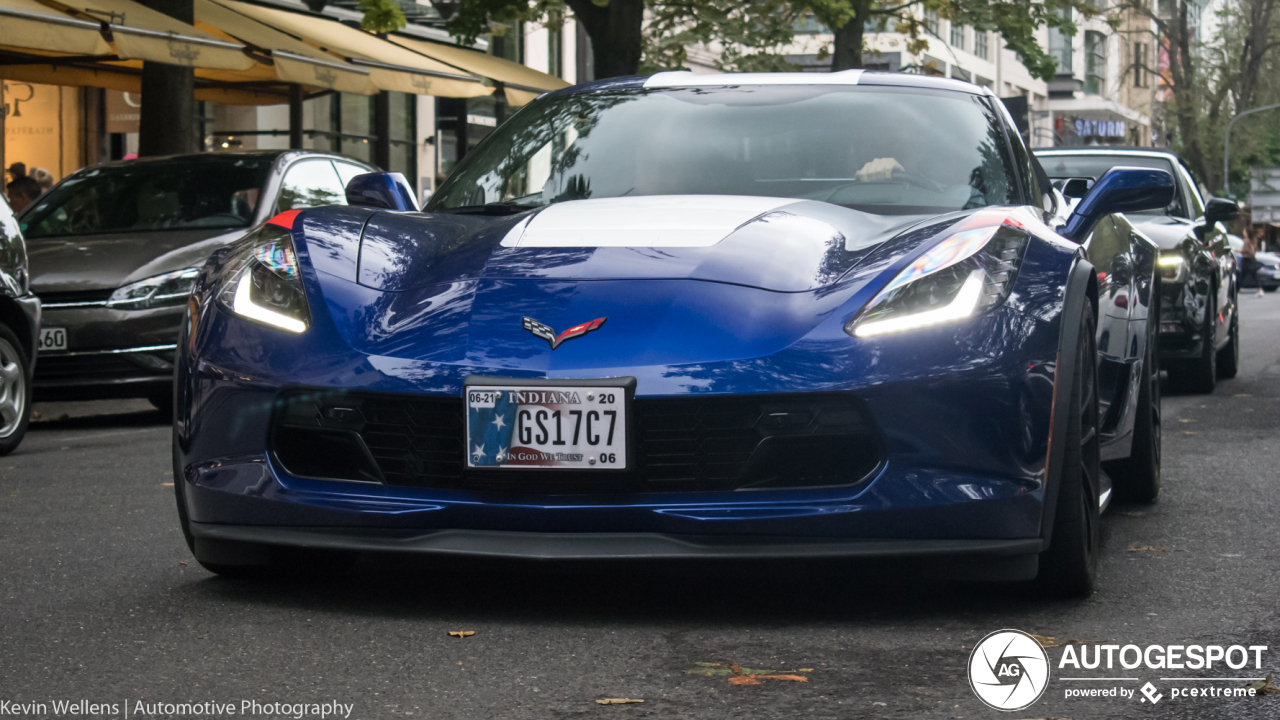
{"x": 684, "y": 316}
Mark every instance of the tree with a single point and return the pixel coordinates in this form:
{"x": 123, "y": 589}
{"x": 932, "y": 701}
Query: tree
{"x": 1207, "y": 81}
{"x": 1015, "y": 20}
{"x": 752, "y": 32}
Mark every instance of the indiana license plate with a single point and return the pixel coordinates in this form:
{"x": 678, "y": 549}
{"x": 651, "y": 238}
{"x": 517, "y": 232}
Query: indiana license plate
{"x": 564, "y": 427}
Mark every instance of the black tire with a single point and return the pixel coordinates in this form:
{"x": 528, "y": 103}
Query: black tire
{"x": 1137, "y": 477}
{"x": 1070, "y": 564}
{"x": 1201, "y": 376}
{"x": 15, "y": 391}
{"x": 1229, "y": 355}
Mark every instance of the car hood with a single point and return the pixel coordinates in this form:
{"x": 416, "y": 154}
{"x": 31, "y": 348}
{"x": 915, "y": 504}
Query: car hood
{"x": 458, "y": 288}
{"x": 79, "y": 263}
{"x": 778, "y": 244}
{"x": 1166, "y": 231}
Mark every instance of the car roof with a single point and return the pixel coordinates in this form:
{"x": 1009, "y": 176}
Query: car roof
{"x": 1105, "y": 150}
{"x": 225, "y": 156}
{"x": 862, "y": 78}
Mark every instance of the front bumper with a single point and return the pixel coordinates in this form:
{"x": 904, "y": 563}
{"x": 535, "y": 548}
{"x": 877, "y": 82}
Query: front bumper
{"x": 1182, "y": 323}
{"x": 110, "y": 352}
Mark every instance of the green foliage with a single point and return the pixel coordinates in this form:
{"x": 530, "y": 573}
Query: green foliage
{"x": 381, "y": 16}
{"x": 1015, "y": 20}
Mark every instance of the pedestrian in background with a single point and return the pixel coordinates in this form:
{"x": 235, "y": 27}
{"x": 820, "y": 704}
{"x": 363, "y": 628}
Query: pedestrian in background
{"x": 22, "y": 192}
{"x": 1249, "y": 254}
{"x": 17, "y": 170}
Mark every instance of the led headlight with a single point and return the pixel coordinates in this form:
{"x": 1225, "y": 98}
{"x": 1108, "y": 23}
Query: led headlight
{"x": 1172, "y": 266}
{"x": 168, "y": 289}
{"x": 261, "y": 281}
{"x": 968, "y": 272}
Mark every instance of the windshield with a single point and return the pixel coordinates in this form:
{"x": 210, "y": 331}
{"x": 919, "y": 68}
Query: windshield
{"x": 217, "y": 192}
{"x": 882, "y": 150}
{"x": 1064, "y": 166}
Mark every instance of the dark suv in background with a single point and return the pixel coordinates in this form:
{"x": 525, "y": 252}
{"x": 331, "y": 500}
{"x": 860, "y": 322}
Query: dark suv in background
{"x": 1199, "y": 325}
{"x": 19, "y": 323}
{"x": 115, "y": 250}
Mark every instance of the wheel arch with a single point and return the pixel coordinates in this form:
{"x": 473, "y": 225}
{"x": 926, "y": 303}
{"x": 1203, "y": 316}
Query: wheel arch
{"x": 1082, "y": 288}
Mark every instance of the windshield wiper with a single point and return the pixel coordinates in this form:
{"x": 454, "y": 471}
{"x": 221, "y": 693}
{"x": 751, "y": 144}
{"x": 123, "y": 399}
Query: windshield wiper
{"x": 493, "y": 208}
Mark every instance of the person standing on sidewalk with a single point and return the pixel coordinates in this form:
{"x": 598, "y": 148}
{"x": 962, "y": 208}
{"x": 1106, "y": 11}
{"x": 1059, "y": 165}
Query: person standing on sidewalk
{"x": 1249, "y": 253}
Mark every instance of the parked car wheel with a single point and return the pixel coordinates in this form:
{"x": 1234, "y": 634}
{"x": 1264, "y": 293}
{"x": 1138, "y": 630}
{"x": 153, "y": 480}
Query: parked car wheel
{"x": 1137, "y": 477}
{"x": 1069, "y": 566}
{"x": 15, "y": 391}
{"x": 1201, "y": 376}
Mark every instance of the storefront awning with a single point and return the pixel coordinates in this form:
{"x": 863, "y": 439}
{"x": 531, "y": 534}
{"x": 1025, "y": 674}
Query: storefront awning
{"x": 390, "y": 66}
{"x": 140, "y": 33}
{"x": 26, "y": 24}
{"x": 282, "y": 56}
{"x": 521, "y": 83}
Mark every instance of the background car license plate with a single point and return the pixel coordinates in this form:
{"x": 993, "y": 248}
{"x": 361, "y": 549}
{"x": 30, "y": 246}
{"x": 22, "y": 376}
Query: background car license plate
{"x": 52, "y": 338}
{"x": 575, "y": 428}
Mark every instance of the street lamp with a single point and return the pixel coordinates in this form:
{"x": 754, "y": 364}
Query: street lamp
{"x": 1226, "y": 144}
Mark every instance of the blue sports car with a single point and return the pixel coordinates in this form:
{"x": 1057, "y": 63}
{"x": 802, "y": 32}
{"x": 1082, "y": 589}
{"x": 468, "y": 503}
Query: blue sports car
{"x": 686, "y": 316}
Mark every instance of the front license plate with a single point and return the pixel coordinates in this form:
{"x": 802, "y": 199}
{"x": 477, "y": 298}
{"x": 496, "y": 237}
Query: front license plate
{"x": 564, "y": 427}
{"x": 52, "y": 338}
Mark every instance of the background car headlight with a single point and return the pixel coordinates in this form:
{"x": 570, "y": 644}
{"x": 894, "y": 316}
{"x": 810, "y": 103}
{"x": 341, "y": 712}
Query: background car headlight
{"x": 261, "y": 281}
{"x": 1172, "y": 266}
{"x": 168, "y": 289}
{"x": 969, "y": 272}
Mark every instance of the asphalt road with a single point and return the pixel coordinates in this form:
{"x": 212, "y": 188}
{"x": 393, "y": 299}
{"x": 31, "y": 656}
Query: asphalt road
{"x": 101, "y": 601}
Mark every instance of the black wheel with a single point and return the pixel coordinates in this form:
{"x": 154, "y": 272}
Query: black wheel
{"x": 1068, "y": 567}
{"x": 1137, "y": 477}
{"x": 15, "y": 391}
{"x": 1229, "y": 355}
{"x": 1201, "y": 376}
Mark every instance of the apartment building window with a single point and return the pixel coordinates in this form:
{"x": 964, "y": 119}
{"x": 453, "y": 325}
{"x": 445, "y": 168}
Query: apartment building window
{"x": 1141, "y": 76}
{"x": 957, "y": 36}
{"x": 1095, "y": 62}
{"x": 1060, "y": 46}
{"x": 931, "y": 22}
{"x": 980, "y": 38}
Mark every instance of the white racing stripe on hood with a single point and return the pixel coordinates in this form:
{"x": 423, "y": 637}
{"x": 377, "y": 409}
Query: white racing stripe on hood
{"x": 648, "y": 221}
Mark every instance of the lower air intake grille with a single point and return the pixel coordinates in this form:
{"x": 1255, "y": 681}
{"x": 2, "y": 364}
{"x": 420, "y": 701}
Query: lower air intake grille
{"x": 690, "y": 443}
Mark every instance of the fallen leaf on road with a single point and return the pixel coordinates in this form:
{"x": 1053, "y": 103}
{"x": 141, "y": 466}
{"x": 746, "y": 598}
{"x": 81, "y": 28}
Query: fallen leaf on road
{"x": 1263, "y": 686}
{"x": 462, "y": 633}
{"x": 1242, "y": 395}
{"x": 1049, "y": 641}
{"x": 738, "y": 675}
{"x": 1146, "y": 548}
{"x": 182, "y": 562}
{"x": 167, "y": 484}
{"x": 618, "y": 701}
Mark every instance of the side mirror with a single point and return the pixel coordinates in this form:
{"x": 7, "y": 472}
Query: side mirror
{"x": 1220, "y": 210}
{"x": 383, "y": 190}
{"x": 1122, "y": 189}
{"x": 1076, "y": 188}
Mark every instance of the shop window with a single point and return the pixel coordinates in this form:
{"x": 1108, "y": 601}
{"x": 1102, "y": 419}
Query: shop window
{"x": 1141, "y": 76}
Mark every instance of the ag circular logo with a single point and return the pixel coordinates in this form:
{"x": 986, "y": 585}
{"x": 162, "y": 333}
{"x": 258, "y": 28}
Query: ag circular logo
{"x": 1008, "y": 670}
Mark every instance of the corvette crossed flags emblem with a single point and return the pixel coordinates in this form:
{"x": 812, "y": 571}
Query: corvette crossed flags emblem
{"x": 546, "y": 333}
